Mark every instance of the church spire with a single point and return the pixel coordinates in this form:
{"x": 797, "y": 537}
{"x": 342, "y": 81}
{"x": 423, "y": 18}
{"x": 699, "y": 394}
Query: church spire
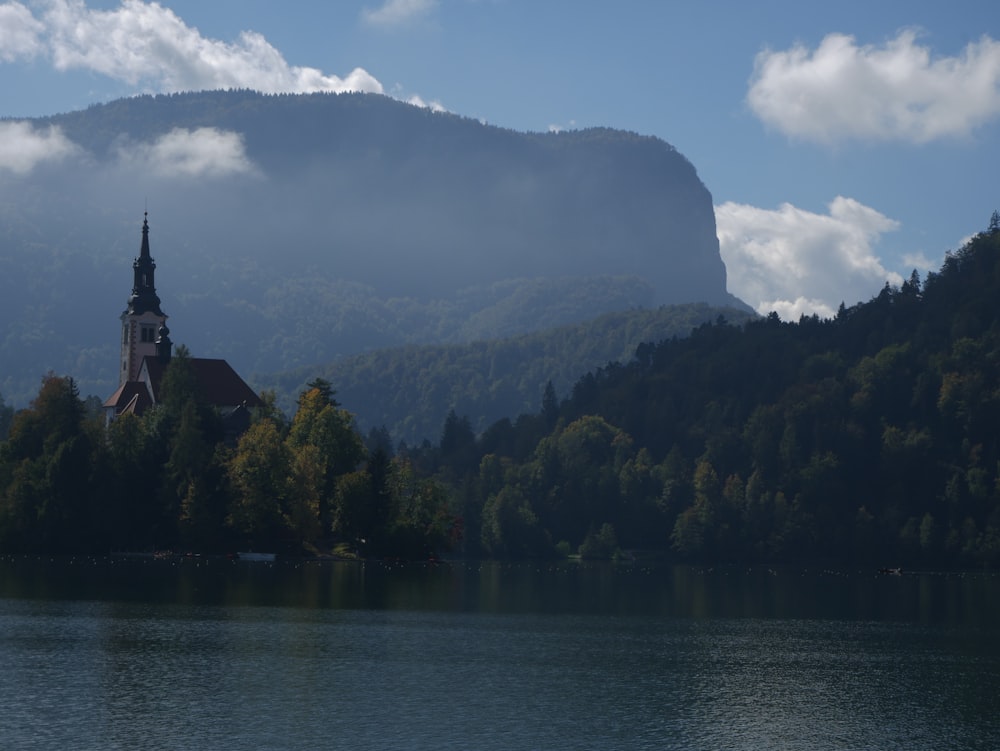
{"x": 142, "y": 319}
{"x": 143, "y": 296}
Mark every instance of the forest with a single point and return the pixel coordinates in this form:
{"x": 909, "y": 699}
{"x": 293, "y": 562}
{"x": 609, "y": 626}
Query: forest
{"x": 408, "y": 389}
{"x": 869, "y": 438}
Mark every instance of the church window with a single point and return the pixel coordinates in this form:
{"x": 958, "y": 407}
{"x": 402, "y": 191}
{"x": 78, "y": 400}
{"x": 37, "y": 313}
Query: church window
{"x": 148, "y": 333}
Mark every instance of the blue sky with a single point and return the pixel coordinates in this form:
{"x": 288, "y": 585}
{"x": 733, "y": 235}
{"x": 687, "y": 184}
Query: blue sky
{"x": 844, "y": 144}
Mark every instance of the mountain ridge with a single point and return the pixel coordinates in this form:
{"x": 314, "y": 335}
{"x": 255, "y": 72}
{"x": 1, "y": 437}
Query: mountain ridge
{"x": 292, "y": 229}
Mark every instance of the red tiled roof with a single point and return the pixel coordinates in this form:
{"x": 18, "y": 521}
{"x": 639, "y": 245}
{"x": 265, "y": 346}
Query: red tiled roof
{"x": 131, "y": 396}
{"x": 220, "y": 385}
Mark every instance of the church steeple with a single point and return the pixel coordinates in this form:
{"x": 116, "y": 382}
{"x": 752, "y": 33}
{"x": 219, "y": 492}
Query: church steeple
{"x": 142, "y": 319}
{"x": 143, "y": 298}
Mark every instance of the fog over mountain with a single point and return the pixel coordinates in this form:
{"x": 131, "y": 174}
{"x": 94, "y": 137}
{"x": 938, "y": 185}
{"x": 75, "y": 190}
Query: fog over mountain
{"x": 292, "y": 229}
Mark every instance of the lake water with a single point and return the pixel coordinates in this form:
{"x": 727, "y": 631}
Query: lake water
{"x": 214, "y": 654}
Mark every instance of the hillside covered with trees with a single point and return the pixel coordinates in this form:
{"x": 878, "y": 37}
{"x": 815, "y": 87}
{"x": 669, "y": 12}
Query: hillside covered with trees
{"x": 867, "y": 439}
{"x": 408, "y": 390}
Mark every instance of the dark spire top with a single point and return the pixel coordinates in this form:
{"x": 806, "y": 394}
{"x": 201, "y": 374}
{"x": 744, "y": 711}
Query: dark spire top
{"x": 143, "y": 296}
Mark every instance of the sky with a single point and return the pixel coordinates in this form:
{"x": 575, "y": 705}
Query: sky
{"x": 845, "y": 144}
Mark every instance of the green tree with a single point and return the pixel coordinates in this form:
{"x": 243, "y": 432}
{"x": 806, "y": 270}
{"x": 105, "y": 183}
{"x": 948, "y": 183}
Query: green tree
{"x": 325, "y": 389}
{"x": 47, "y": 460}
{"x": 205, "y": 505}
{"x": 601, "y": 544}
{"x": 130, "y": 481}
{"x": 327, "y": 434}
{"x": 307, "y": 488}
{"x": 510, "y": 528}
{"x": 190, "y": 455}
{"x": 458, "y": 445}
{"x": 928, "y": 535}
{"x": 355, "y": 511}
{"x": 258, "y": 472}
{"x": 421, "y": 521}
{"x": 589, "y": 456}
{"x": 688, "y": 536}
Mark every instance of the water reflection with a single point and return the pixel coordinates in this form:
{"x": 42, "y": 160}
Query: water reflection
{"x": 676, "y": 591}
{"x": 216, "y": 654}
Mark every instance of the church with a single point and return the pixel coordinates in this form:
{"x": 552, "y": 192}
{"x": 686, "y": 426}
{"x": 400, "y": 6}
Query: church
{"x": 146, "y": 351}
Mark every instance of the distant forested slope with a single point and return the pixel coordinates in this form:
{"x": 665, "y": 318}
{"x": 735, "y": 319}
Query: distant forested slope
{"x": 410, "y": 390}
{"x": 870, "y": 438}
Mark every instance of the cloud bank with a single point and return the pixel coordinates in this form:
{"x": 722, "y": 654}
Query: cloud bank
{"x": 22, "y": 147}
{"x": 433, "y": 105}
{"x": 898, "y": 91}
{"x": 201, "y": 153}
{"x": 145, "y": 44}
{"x": 204, "y": 152}
{"x": 797, "y": 262}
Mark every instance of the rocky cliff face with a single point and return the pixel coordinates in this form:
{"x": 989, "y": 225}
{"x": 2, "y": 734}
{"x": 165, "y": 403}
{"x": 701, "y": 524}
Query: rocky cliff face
{"x": 292, "y": 229}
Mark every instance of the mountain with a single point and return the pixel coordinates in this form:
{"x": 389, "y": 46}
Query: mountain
{"x": 292, "y": 230}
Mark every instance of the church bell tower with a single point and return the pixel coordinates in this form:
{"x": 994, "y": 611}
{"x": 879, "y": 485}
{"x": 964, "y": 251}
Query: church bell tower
{"x": 142, "y": 319}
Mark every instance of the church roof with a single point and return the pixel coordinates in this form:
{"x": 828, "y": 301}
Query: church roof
{"x": 131, "y": 397}
{"x": 220, "y": 385}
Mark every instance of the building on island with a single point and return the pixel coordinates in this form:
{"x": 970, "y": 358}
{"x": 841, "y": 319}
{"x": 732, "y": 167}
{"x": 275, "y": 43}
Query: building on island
{"x": 146, "y": 350}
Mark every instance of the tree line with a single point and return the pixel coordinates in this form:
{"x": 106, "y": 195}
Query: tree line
{"x": 169, "y": 480}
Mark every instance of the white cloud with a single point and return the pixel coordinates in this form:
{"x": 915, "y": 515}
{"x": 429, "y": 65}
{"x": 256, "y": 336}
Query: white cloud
{"x": 557, "y": 128}
{"x": 143, "y": 43}
{"x": 433, "y": 105}
{"x": 921, "y": 262}
{"x": 205, "y": 152}
{"x": 19, "y": 33}
{"x": 896, "y": 91}
{"x": 396, "y": 12}
{"x": 22, "y": 147}
{"x": 794, "y": 261}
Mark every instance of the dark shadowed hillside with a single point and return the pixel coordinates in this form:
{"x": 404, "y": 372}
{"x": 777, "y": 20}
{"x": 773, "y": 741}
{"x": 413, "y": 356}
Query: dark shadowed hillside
{"x": 410, "y": 390}
{"x": 869, "y": 439}
{"x": 290, "y": 230}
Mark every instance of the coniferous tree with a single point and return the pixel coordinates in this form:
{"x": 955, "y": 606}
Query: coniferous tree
{"x": 47, "y": 501}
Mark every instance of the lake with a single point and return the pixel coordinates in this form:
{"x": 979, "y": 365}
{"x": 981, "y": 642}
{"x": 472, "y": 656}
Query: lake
{"x": 218, "y": 654}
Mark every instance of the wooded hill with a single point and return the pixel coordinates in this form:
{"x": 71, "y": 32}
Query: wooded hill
{"x": 868, "y": 438}
{"x": 408, "y": 391}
